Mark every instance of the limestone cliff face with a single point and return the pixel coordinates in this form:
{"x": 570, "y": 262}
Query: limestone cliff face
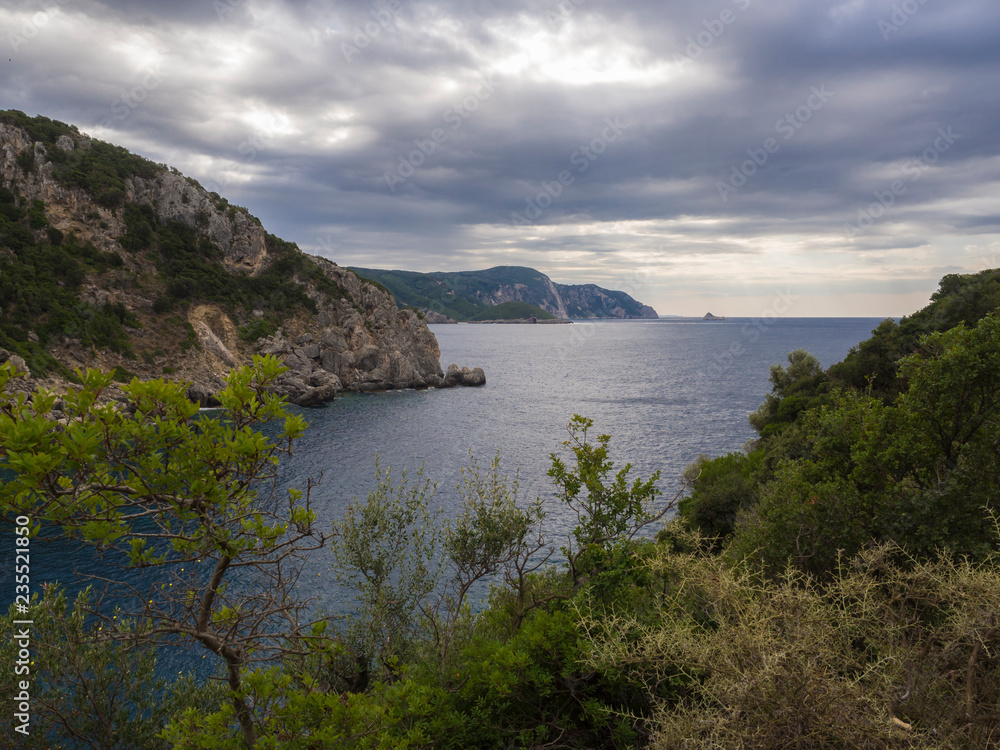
{"x": 570, "y": 300}
{"x": 355, "y": 340}
{"x": 579, "y": 299}
{"x": 342, "y": 348}
{"x": 239, "y": 234}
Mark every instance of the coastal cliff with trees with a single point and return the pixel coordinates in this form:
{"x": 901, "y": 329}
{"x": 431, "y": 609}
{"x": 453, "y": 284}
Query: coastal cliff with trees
{"x": 111, "y": 261}
{"x": 472, "y": 295}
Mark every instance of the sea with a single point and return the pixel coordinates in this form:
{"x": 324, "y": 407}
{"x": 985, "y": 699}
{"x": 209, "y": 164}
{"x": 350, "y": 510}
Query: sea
{"x": 666, "y": 391}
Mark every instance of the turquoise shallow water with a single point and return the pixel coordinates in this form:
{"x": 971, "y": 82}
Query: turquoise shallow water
{"x": 665, "y": 390}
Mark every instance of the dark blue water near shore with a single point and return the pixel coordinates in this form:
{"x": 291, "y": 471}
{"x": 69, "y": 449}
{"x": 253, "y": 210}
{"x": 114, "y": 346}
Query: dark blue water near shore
{"x": 665, "y": 390}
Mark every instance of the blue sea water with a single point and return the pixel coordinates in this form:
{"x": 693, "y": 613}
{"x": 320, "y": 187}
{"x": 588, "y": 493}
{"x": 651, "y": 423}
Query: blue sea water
{"x": 665, "y": 391}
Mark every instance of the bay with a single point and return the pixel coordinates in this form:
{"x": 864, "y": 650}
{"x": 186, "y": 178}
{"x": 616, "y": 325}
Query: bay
{"x": 665, "y": 390}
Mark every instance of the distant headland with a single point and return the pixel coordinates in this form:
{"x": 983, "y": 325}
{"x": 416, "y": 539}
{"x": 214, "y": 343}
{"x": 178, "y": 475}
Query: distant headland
{"x": 463, "y": 296}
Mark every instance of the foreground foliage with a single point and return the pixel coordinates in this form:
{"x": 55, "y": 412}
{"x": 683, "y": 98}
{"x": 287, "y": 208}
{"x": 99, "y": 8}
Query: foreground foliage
{"x": 155, "y": 487}
{"x": 894, "y": 653}
{"x": 836, "y": 585}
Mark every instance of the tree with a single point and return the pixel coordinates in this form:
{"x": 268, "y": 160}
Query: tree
{"x": 385, "y": 550}
{"x": 793, "y": 390}
{"x": 492, "y": 538}
{"x": 723, "y": 487}
{"x": 607, "y": 512}
{"x": 922, "y": 472}
{"x": 92, "y": 689}
{"x": 393, "y": 550}
{"x": 152, "y": 484}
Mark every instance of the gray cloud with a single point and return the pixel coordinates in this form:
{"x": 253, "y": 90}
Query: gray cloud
{"x": 305, "y": 111}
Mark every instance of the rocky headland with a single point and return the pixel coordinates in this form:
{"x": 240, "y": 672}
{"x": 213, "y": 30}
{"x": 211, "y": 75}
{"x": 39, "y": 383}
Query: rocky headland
{"x": 468, "y": 295}
{"x": 188, "y": 285}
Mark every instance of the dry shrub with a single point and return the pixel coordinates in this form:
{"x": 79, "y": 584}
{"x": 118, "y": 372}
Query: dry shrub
{"x": 893, "y": 654}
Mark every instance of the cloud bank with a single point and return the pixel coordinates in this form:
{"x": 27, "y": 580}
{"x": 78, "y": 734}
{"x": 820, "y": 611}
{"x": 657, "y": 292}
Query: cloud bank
{"x": 721, "y": 152}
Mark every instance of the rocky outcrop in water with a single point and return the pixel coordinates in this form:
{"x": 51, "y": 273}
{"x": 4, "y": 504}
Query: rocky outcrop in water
{"x": 464, "y": 376}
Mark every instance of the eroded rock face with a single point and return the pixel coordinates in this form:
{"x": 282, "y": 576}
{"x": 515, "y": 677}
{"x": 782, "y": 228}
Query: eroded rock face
{"x": 359, "y": 342}
{"x": 464, "y": 376}
{"x": 17, "y": 363}
{"x": 436, "y": 317}
{"x": 174, "y": 198}
{"x": 340, "y": 348}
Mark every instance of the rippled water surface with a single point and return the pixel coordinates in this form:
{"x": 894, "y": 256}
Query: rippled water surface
{"x": 664, "y": 390}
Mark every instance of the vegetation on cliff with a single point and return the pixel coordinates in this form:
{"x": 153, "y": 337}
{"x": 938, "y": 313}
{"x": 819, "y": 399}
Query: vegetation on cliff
{"x": 109, "y": 260}
{"x": 43, "y": 271}
{"x": 100, "y": 169}
{"x": 464, "y": 295}
{"x": 513, "y": 311}
{"x": 40, "y": 288}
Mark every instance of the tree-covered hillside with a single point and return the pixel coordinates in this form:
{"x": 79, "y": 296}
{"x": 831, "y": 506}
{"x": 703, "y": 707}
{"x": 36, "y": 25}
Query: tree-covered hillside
{"x": 513, "y": 311}
{"x": 44, "y": 270}
{"x": 461, "y": 295}
{"x": 108, "y": 260}
{"x": 897, "y": 443}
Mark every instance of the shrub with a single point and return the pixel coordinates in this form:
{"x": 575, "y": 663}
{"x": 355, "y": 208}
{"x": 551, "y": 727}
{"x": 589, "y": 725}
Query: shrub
{"x": 257, "y": 329}
{"x": 723, "y": 487}
{"x": 922, "y": 472}
{"x": 121, "y": 375}
{"x": 26, "y": 160}
{"x": 36, "y": 215}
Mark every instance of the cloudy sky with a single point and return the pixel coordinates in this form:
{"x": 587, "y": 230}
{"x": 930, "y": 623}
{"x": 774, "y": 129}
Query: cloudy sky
{"x": 718, "y": 155}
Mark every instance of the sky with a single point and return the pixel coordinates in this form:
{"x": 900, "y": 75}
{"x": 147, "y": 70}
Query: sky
{"x": 744, "y": 157}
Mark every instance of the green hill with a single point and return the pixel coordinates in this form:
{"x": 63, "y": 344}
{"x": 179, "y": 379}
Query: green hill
{"x": 462, "y": 295}
{"x": 513, "y": 311}
{"x": 109, "y": 260}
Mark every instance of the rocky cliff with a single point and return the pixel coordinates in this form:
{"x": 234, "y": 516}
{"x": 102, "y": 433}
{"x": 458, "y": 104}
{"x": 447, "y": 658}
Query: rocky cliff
{"x": 591, "y": 301}
{"x": 110, "y": 261}
{"x": 462, "y": 295}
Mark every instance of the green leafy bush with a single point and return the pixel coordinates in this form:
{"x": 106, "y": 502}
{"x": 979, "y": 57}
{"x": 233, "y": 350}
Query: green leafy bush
{"x": 257, "y": 329}
{"x": 921, "y": 472}
{"x": 722, "y": 487}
